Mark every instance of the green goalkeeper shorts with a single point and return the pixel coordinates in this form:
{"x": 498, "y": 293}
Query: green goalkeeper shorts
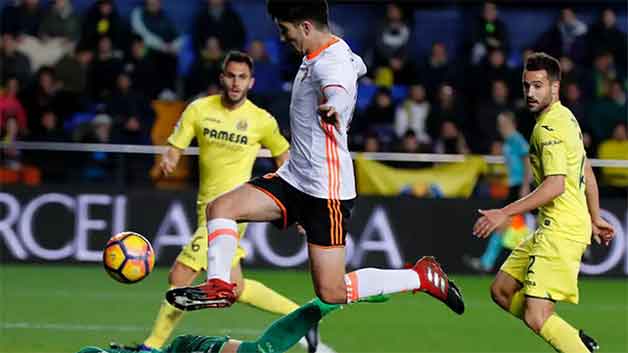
{"x": 200, "y": 344}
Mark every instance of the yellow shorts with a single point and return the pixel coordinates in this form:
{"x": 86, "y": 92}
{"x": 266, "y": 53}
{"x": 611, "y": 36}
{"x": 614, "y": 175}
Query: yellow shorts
{"x": 194, "y": 254}
{"x": 547, "y": 265}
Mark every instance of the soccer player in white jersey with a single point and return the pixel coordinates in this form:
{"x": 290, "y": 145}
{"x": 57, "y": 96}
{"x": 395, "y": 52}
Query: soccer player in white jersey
{"x": 315, "y": 187}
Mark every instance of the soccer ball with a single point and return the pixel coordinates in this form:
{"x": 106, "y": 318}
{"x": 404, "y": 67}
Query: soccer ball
{"x": 128, "y": 257}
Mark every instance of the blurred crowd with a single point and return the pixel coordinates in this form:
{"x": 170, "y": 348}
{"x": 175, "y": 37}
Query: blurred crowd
{"x": 95, "y": 77}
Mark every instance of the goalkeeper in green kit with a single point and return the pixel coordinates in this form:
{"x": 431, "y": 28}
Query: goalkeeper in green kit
{"x": 279, "y": 337}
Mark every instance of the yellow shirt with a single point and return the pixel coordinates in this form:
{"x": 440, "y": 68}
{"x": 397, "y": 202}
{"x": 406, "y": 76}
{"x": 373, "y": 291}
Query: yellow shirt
{"x": 556, "y": 148}
{"x": 613, "y": 149}
{"x": 228, "y": 142}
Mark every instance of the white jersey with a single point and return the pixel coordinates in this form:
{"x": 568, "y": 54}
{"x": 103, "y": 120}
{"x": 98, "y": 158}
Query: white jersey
{"x": 320, "y": 164}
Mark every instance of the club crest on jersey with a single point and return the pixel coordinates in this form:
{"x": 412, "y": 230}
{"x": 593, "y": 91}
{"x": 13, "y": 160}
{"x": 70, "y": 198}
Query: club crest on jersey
{"x": 242, "y": 125}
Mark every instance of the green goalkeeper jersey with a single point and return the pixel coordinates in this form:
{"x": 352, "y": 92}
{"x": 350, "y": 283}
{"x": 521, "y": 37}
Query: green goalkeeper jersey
{"x": 181, "y": 344}
{"x": 200, "y": 344}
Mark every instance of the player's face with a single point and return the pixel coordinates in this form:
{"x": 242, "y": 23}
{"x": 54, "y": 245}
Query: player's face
{"x": 291, "y": 34}
{"x": 236, "y": 82}
{"x": 538, "y": 90}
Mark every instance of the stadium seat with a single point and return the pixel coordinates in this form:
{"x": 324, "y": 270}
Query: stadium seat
{"x": 365, "y": 95}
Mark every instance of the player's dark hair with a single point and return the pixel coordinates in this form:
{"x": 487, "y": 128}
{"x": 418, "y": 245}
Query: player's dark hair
{"x": 238, "y": 57}
{"x": 316, "y": 11}
{"x": 542, "y": 61}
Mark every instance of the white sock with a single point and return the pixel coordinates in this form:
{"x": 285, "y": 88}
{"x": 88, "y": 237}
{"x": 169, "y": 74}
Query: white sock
{"x": 367, "y": 282}
{"x": 222, "y": 241}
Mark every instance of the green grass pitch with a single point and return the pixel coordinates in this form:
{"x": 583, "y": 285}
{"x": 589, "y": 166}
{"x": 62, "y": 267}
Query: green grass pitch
{"x": 47, "y": 309}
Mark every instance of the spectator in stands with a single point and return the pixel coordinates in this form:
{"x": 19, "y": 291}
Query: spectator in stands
{"x": 160, "y": 36}
{"x": 206, "y": 69}
{"x": 10, "y": 157}
{"x": 412, "y": 114}
{"x": 446, "y": 109}
{"x": 49, "y": 128}
{"x": 218, "y": 19}
{"x": 400, "y": 70}
{"x": 37, "y": 39}
{"x": 11, "y": 108}
{"x": 140, "y": 64}
{"x": 73, "y": 75}
{"x": 380, "y": 114}
{"x": 604, "y": 71}
{"x": 569, "y": 71}
{"x": 409, "y": 143}
{"x": 102, "y": 20}
{"x": 392, "y": 36}
{"x": 40, "y": 96}
{"x": 450, "y": 140}
{"x": 566, "y": 37}
{"x": 486, "y": 116}
{"x": 60, "y": 21}
{"x": 437, "y": 68}
{"x": 22, "y": 18}
{"x": 13, "y": 63}
{"x": 267, "y": 73}
{"x": 404, "y": 70}
{"x": 371, "y": 142}
{"x": 13, "y": 128}
{"x": 73, "y": 70}
{"x": 572, "y": 99}
{"x": 131, "y": 113}
{"x": 488, "y": 33}
{"x": 615, "y": 148}
{"x": 106, "y": 66}
{"x": 605, "y": 36}
{"x": 53, "y": 165}
{"x": 608, "y": 111}
{"x": 493, "y": 69}
{"x": 97, "y": 166}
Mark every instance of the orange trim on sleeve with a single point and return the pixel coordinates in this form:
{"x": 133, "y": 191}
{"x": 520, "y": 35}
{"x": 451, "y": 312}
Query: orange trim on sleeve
{"x": 284, "y": 211}
{"x": 318, "y": 51}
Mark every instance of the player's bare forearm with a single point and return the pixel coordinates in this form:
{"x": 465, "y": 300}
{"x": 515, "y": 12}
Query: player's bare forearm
{"x": 170, "y": 159}
{"x": 591, "y": 191}
{"x": 551, "y": 187}
{"x": 282, "y": 158}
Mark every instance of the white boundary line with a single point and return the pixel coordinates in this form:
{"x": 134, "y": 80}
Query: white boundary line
{"x": 397, "y": 157}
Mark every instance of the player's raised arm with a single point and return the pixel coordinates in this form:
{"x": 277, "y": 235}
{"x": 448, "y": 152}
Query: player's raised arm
{"x": 602, "y": 230}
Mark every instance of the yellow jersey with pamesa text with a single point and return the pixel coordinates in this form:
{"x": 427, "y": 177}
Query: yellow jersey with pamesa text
{"x": 556, "y": 148}
{"x": 228, "y": 141}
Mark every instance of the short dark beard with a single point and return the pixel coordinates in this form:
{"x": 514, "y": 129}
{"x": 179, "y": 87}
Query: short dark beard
{"x": 230, "y": 103}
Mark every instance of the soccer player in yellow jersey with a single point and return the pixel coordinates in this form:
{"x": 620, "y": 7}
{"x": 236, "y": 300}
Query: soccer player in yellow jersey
{"x": 229, "y": 130}
{"x": 544, "y": 268}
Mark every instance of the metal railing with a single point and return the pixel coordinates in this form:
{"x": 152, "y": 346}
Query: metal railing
{"x": 379, "y": 156}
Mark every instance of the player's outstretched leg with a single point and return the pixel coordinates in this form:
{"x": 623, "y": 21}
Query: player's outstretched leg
{"x": 288, "y": 330}
{"x": 244, "y": 203}
{"x": 425, "y": 276}
{"x": 435, "y": 282}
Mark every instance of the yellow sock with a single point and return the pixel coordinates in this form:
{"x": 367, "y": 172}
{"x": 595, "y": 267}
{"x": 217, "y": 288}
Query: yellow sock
{"x": 262, "y": 297}
{"x": 516, "y": 304}
{"x": 562, "y": 336}
{"x": 167, "y": 319}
